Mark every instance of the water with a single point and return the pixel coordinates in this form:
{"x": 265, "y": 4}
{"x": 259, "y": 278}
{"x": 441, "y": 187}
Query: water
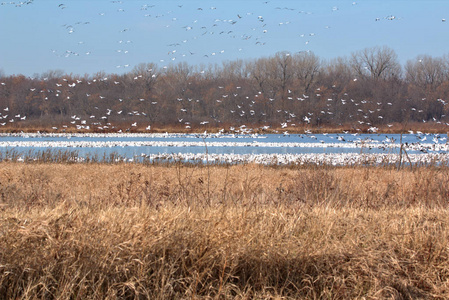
{"x": 227, "y": 146}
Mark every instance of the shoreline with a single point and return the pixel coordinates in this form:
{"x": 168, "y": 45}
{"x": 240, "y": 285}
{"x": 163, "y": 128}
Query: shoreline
{"x": 396, "y": 128}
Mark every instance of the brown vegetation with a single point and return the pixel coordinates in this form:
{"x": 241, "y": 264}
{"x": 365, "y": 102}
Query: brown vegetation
{"x": 396, "y": 128}
{"x": 95, "y": 231}
{"x": 284, "y": 91}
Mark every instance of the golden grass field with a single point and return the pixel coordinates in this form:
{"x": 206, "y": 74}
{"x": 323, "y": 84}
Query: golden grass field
{"x": 130, "y": 231}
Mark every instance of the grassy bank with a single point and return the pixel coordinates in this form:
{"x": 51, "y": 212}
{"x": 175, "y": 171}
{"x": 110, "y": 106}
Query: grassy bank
{"x": 95, "y": 231}
{"x": 394, "y": 128}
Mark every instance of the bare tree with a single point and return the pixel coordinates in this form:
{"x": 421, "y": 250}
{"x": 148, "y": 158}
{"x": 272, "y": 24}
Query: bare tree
{"x": 306, "y": 68}
{"x": 259, "y": 70}
{"x": 177, "y": 78}
{"x": 147, "y": 74}
{"x": 338, "y": 72}
{"x": 52, "y": 74}
{"x": 376, "y": 63}
{"x": 281, "y": 88}
{"x": 233, "y": 70}
{"x": 426, "y": 72}
{"x": 283, "y": 73}
{"x": 424, "y": 77}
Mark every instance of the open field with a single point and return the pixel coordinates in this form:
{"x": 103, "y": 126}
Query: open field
{"x": 95, "y": 231}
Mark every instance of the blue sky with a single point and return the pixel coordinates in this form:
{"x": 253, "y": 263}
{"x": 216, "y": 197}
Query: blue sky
{"x": 85, "y": 37}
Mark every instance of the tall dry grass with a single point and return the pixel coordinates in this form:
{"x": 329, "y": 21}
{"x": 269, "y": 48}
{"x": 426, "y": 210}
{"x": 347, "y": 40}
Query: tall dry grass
{"x": 96, "y": 231}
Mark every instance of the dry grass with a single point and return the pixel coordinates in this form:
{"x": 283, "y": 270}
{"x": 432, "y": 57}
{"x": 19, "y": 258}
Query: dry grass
{"x": 95, "y": 231}
{"x": 46, "y": 127}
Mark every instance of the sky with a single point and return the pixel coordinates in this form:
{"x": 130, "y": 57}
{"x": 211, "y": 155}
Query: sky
{"x": 82, "y": 37}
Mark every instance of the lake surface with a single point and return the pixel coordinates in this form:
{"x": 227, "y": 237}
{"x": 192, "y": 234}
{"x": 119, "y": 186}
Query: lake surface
{"x": 233, "y": 147}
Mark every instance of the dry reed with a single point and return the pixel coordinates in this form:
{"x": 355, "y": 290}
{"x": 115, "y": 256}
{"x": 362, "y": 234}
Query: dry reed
{"x": 129, "y": 231}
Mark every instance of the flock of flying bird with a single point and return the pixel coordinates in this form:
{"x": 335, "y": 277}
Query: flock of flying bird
{"x": 100, "y": 120}
{"x": 252, "y": 29}
{"x": 201, "y": 27}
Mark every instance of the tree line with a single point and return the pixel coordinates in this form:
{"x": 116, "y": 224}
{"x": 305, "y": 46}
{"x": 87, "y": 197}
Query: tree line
{"x": 368, "y": 88}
